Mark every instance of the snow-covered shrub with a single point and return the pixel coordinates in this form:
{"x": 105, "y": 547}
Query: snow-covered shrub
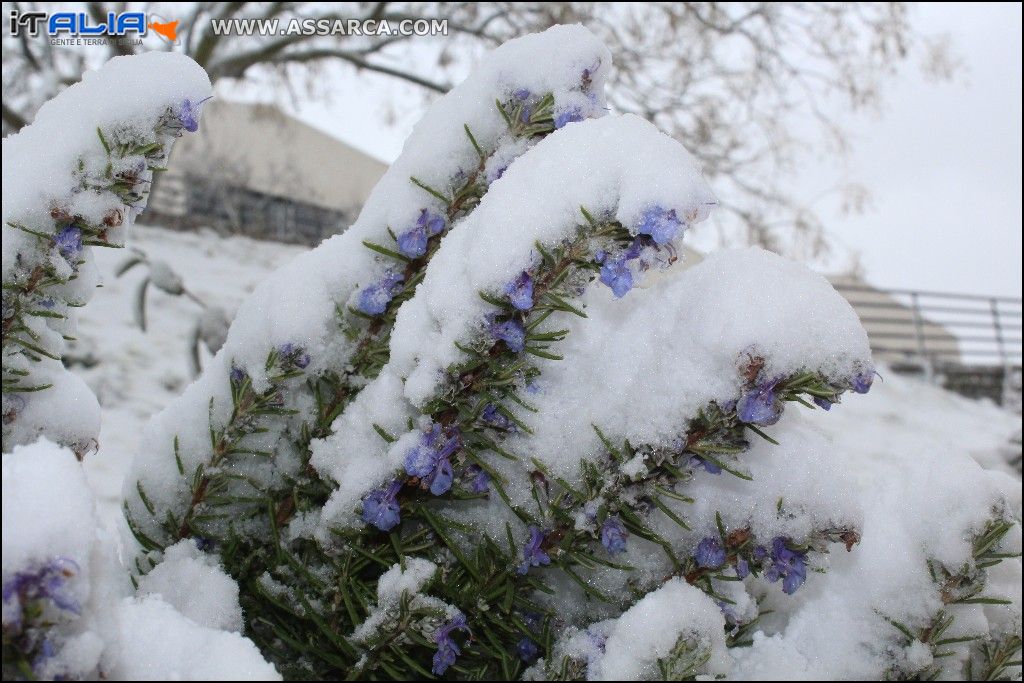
{"x": 477, "y": 436}
{"x": 69, "y": 607}
{"x": 74, "y": 179}
{"x": 77, "y": 178}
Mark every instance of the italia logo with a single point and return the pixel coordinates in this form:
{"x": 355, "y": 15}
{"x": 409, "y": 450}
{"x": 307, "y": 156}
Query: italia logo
{"x": 114, "y": 24}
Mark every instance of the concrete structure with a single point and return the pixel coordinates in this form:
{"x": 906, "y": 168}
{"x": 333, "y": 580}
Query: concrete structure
{"x": 254, "y": 170}
{"x": 899, "y": 331}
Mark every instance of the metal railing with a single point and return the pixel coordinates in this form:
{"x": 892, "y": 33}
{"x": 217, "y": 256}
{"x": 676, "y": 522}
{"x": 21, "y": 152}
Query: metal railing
{"x": 941, "y": 332}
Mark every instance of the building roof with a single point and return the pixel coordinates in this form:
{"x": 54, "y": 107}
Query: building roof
{"x": 261, "y": 148}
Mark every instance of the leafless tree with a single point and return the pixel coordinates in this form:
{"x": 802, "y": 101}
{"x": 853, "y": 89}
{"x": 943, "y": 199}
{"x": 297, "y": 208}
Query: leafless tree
{"x": 736, "y": 82}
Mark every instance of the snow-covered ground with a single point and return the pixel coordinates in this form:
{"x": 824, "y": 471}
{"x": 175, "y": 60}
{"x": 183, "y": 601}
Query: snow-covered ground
{"x": 138, "y": 373}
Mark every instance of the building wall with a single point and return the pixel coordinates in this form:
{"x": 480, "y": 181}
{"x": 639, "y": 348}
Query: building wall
{"x": 255, "y": 170}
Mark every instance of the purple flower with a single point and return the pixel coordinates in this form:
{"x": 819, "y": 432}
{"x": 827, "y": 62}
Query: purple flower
{"x": 495, "y": 417}
{"x": 613, "y": 536}
{"x": 69, "y": 242}
{"x": 521, "y": 94}
{"x": 760, "y": 552}
{"x": 787, "y": 564}
{"x": 742, "y": 568}
{"x": 533, "y": 621}
{"x": 479, "y": 480}
{"x": 661, "y": 224}
{"x": 432, "y": 223}
{"x": 374, "y": 299}
{"x": 709, "y": 553}
{"x": 447, "y": 649}
{"x": 533, "y": 556}
{"x": 567, "y": 116}
{"x": 380, "y": 507}
{"x": 237, "y": 374}
{"x": 430, "y": 459}
{"x": 45, "y": 654}
{"x": 527, "y": 650}
{"x": 512, "y": 333}
{"x": 709, "y": 467}
{"x": 861, "y": 382}
{"x": 204, "y": 544}
{"x": 760, "y": 405}
{"x": 520, "y": 292}
{"x": 823, "y": 403}
{"x": 293, "y": 354}
{"x": 48, "y": 581}
{"x": 617, "y": 275}
{"x": 413, "y": 242}
{"x": 189, "y": 114}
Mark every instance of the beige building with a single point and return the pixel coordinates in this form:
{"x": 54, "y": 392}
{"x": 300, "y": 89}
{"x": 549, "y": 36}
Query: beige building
{"x": 255, "y": 170}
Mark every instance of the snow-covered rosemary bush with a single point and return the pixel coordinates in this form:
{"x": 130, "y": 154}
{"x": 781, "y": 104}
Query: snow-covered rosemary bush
{"x": 490, "y": 432}
{"x": 74, "y": 179}
{"x": 77, "y": 178}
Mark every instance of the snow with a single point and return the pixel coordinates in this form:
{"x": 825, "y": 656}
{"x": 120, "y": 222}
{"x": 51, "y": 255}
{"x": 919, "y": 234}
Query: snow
{"x": 395, "y": 583}
{"x": 193, "y": 583}
{"x": 835, "y": 628}
{"x": 60, "y": 192}
{"x": 159, "y": 644}
{"x": 648, "y": 631}
{"x": 47, "y": 512}
{"x": 592, "y": 164}
{"x": 641, "y": 368}
{"x": 183, "y": 624}
{"x": 39, "y": 162}
{"x": 299, "y": 303}
{"x": 676, "y": 346}
{"x": 903, "y": 430}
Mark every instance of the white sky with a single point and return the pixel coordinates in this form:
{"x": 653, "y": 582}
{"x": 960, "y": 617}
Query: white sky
{"x": 942, "y": 161}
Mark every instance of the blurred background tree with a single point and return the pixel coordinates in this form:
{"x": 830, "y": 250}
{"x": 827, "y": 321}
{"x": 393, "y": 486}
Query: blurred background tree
{"x": 745, "y": 86}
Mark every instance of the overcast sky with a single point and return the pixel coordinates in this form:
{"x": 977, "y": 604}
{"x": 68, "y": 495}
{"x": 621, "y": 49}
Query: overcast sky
{"x": 942, "y": 161}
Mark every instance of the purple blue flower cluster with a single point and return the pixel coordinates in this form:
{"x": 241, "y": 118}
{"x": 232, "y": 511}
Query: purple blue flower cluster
{"x": 527, "y": 650}
{"x": 48, "y": 581}
{"x": 380, "y": 507}
{"x": 520, "y": 292}
{"x": 511, "y": 332}
{"x": 374, "y": 299}
{"x": 533, "y": 555}
{"x": 709, "y": 467}
{"x": 709, "y": 553}
{"x": 613, "y": 536}
{"x": 522, "y": 95}
{"x": 616, "y": 272}
{"x": 479, "y": 480}
{"x": 861, "y": 382}
{"x": 69, "y": 243}
{"x": 761, "y": 405}
{"x": 663, "y": 225}
{"x": 787, "y": 564}
{"x": 495, "y": 417}
{"x": 293, "y": 354}
{"x": 567, "y": 116}
{"x": 189, "y": 114}
{"x": 413, "y": 242}
{"x": 447, "y": 649}
{"x": 430, "y": 459}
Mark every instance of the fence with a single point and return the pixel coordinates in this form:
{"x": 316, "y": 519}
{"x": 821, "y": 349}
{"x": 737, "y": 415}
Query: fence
{"x": 967, "y": 342}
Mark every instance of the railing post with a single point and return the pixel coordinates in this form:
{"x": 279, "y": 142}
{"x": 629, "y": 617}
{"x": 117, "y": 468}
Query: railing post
{"x": 922, "y": 350}
{"x": 1001, "y": 345}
